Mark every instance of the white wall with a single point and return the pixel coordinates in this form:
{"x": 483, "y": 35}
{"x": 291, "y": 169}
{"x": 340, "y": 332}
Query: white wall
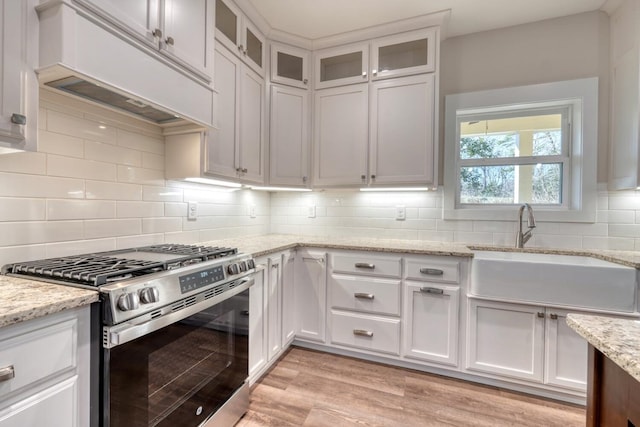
{"x": 357, "y": 214}
{"x": 97, "y": 183}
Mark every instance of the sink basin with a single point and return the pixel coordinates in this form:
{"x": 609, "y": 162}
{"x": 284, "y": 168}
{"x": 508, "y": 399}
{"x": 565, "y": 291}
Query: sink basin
{"x": 564, "y": 280}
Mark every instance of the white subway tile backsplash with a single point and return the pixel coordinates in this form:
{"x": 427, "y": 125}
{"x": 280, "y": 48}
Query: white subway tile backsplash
{"x": 19, "y": 185}
{"x": 16, "y": 209}
{"x": 175, "y": 209}
{"x": 555, "y": 241}
{"x": 95, "y": 229}
{"x": 445, "y": 225}
{"x": 26, "y": 233}
{"x": 139, "y": 240}
{"x": 140, "y": 176}
{"x": 139, "y": 209}
{"x": 79, "y": 247}
{"x": 80, "y": 168}
{"x": 63, "y": 145}
{"x": 626, "y": 200}
{"x": 162, "y": 194}
{"x": 614, "y": 243}
{"x": 80, "y": 209}
{"x": 24, "y": 162}
{"x": 480, "y": 238}
{"x": 161, "y": 225}
{"x": 68, "y": 124}
{"x": 113, "y": 191}
{"x": 112, "y": 154}
{"x": 153, "y": 161}
{"x": 10, "y": 254}
{"x": 624, "y": 230}
{"x": 140, "y": 142}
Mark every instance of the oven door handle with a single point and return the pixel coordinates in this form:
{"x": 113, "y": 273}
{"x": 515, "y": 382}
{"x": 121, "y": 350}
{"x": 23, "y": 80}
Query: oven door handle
{"x": 113, "y": 336}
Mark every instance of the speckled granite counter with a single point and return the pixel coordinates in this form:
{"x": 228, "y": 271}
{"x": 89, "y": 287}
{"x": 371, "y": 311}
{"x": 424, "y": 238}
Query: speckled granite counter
{"x": 618, "y": 339}
{"x": 270, "y": 243}
{"x": 22, "y": 300}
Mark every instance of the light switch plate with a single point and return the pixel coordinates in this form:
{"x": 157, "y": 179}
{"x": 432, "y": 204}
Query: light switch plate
{"x": 401, "y": 213}
{"x": 192, "y": 210}
{"x": 311, "y": 211}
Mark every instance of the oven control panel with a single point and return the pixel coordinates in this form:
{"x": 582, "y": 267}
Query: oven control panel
{"x": 199, "y": 279}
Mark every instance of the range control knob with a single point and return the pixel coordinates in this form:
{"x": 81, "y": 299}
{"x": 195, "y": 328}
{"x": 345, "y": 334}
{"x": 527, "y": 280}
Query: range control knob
{"x": 232, "y": 269}
{"x": 149, "y": 295}
{"x": 127, "y": 302}
{"x": 251, "y": 263}
{"x": 243, "y": 266}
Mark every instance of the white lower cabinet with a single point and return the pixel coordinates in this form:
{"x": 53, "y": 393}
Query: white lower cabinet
{"x": 288, "y": 299}
{"x": 373, "y": 333}
{"x": 566, "y": 353}
{"x": 274, "y": 306}
{"x": 311, "y": 295}
{"x": 257, "y": 324}
{"x": 431, "y": 313}
{"x": 526, "y": 342}
{"x": 49, "y": 358}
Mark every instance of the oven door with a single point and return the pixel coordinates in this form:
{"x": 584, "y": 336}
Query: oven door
{"x": 181, "y": 374}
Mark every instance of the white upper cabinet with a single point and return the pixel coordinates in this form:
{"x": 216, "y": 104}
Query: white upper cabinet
{"x": 235, "y": 31}
{"x": 404, "y": 54}
{"x": 18, "y": 84}
{"x": 402, "y": 148}
{"x": 289, "y": 136}
{"x": 341, "y": 135}
{"x": 236, "y": 148}
{"x": 289, "y": 65}
{"x": 341, "y": 65}
{"x": 183, "y": 31}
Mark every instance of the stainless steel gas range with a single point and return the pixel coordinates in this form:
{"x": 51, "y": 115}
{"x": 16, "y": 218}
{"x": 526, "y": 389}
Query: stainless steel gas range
{"x": 169, "y": 336}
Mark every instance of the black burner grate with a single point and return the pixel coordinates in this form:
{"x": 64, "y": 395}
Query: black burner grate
{"x": 107, "y": 267}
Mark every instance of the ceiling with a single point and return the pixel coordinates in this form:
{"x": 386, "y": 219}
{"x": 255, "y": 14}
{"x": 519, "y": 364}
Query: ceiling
{"x": 314, "y": 19}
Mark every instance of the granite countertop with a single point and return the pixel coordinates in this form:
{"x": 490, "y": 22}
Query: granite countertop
{"x": 270, "y": 243}
{"x": 618, "y": 339}
{"x": 22, "y": 299}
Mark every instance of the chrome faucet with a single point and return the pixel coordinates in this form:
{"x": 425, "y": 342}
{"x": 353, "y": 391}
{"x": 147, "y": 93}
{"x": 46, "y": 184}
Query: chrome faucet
{"x": 522, "y": 238}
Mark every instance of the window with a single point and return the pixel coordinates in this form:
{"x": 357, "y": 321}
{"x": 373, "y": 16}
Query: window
{"x": 530, "y": 144}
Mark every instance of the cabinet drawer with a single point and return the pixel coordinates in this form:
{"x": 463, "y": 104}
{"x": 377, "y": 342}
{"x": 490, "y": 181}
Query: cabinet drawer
{"x": 367, "y": 264}
{"x": 365, "y": 294}
{"x": 366, "y": 332}
{"x": 430, "y": 269}
{"x": 37, "y": 355}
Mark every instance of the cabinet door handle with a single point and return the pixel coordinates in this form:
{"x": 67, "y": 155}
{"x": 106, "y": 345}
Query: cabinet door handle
{"x": 553, "y": 316}
{"x": 305, "y": 81}
{"x": 18, "y": 119}
{"x": 7, "y": 373}
{"x": 240, "y": 48}
{"x": 364, "y": 74}
{"x": 169, "y": 41}
{"x": 304, "y": 179}
{"x": 363, "y": 295}
{"x": 429, "y": 290}
{"x": 374, "y": 72}
{"x": 245, "y": 170}
{"x": 540, "y": 314}
{"x": 365, "y": 265}
{"x": 373, "y": 177}
{"x": 157, "y": 33}
{"x": 432, "y": 271}
{"x": 363, "y": 177}
{"x": 362, "y": 333}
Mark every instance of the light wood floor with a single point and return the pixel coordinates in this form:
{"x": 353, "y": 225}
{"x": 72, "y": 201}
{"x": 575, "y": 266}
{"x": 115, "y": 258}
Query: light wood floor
{"x": 310, "y": 388}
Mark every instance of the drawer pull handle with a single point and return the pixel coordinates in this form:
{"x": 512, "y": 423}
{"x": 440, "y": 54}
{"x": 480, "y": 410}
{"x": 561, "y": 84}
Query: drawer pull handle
{"x": 428, "y": 290}
{"x": 553, "y": 316}
{"x": 365, "y": 265}
{"x": 363, "y": 295}
{"x": 7, "y": 373}
{"x": 362, "y": 333}
{"x": 432, "y": 271}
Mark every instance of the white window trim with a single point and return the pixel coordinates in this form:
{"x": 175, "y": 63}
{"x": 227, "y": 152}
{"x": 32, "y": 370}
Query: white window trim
{"x": 582, "y": 198}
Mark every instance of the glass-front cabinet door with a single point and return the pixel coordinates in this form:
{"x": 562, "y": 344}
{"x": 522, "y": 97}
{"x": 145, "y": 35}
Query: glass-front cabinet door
{"x": 236, "y": 32}
{"x": 404, "y": 54}
{"x": 289, "y": 66}
{"x": 341, "y": 65}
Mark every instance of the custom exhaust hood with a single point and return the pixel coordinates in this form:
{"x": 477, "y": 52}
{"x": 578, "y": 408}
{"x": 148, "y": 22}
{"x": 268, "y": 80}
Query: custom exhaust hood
{"x": 83, "y": 56}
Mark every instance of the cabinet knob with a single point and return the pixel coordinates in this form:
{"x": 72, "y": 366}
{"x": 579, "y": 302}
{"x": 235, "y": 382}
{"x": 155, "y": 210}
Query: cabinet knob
{"x": 540, "y": 314}
{"x": 245, "y": 170}
{"x": 169, "y": 41}
{"x": 304, "y": 179}
{"x": 305, "y": 81}
{"x": 364, "y": 74}
{"x": 18, "y": 119}
{"x": 374, "y": 72}
{"x": 157, "y": 33}
{"x": 363, "y": 177}
{"x": 238, "y": 170}
{"x": 7, "y": 373}
{"x": 553, "y": 316}
{"x": 373, "y": 176}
